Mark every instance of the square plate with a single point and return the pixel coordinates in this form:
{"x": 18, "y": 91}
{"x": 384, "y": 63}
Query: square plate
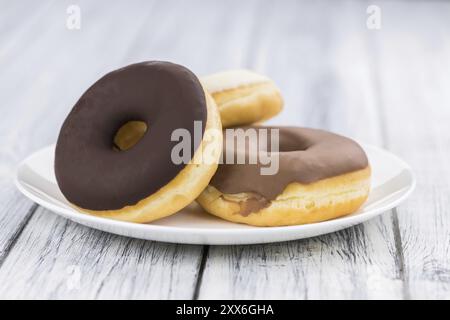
{"x": 392, "y": 182}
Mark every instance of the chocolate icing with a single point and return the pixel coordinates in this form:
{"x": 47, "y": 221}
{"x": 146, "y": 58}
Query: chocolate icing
{"x": 90, "y": 173}
{"x": 254, "y": 203}
{"x": 306, "y": 156}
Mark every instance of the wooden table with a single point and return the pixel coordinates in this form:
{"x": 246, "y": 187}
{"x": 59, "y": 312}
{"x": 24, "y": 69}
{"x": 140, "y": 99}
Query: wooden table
{"x": 389, "y": 87}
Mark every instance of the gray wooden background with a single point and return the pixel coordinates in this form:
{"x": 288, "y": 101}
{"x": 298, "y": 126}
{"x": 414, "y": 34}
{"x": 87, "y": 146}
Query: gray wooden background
{"x": 389, "y": 87}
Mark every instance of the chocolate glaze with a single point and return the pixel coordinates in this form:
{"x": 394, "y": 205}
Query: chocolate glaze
{"x": 90, "y": 173}
{"x": 306, "y": 156}
{"x": 254, "y": 203}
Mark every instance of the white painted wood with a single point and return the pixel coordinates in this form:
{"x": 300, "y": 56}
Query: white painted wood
{"x": 50, "y": 72}
{"x": 15, "y": 210}
{"x": 334, "y": 74}
{"x": 414, "y": 80}
{"x": 320, "y": 56}
{"x": 120, "y": 36}
{"x": 58, "y": 259}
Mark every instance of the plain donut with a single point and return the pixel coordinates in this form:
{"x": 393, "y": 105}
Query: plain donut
{"x": 243, "y": 97}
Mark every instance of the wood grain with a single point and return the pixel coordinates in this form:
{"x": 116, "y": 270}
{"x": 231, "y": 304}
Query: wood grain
{"x": 58, "y": 259}
{"x": 322, "y": 62}
{"x": 54, "y": 253}
{"x": 15, "y": 210}
{"x": 386, "y": 87}
{"x": 55, "y": 85}
{"x": 414, "y": 77}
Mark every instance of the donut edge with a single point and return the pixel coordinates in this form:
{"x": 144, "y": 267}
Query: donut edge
{"x": 250, "y": 98}
{"x": 181, "y": 190}
{"x": 299, "y": 203}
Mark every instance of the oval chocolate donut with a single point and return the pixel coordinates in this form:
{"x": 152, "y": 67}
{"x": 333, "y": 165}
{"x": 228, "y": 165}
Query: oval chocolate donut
{"x": 320, "y": 176}
{"x": 102, "y": 180}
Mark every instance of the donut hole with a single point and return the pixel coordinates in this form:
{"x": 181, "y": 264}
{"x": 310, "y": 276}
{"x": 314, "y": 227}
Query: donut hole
{"x": 129, "y": 135}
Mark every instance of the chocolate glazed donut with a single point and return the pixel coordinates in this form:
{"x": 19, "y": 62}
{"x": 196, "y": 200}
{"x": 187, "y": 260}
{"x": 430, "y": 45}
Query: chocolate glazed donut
{"x": 321, "y": 176}
{"x": 103, "y": 180}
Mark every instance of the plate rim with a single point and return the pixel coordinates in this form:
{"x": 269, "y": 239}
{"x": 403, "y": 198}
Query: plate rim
{"x": 348, "y": 221}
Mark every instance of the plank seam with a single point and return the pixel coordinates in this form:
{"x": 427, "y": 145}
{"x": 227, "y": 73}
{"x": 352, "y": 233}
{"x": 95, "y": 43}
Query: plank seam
{"x": 395, "y": 224}
{"x": 201, "y": 271}
{"x": 253, "y": 43}
{"x": 401, "y": 257}
{"x": 400, "y": 262}
{"x": 12, "y": 242}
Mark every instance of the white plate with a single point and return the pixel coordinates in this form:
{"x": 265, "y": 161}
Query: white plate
{"x": 392, "y": 182}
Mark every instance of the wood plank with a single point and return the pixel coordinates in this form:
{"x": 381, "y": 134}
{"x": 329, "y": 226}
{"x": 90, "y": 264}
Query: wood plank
{"x": 30, "y": 69}
{"x": 319, "y": 54}
{"x": 414, "y": 80}
{"x": 58, "y": 259}
{"x": 15, "y": 210}
{"x": 82, "y": 46}
{"x": 54, "y": 253}
{"x": 325, "y": 66}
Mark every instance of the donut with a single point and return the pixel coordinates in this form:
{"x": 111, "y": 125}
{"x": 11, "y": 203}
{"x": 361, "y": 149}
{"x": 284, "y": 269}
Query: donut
{"x": 320, "y": 176}
{"x": 243, "y": 97}
{"x": 102, "y": 168}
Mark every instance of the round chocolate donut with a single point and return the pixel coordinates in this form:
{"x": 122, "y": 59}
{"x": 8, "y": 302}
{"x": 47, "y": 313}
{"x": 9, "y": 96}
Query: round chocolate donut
{"x": 97, "y": 176}
{"x": 320, "y": 176}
